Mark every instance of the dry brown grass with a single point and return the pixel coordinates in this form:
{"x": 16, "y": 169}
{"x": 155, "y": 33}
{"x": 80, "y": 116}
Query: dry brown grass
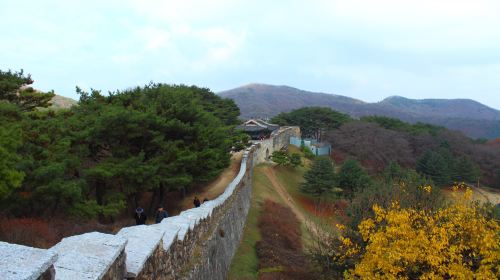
{"x": 28, "y": 231}
{"x": 42, "y": 233}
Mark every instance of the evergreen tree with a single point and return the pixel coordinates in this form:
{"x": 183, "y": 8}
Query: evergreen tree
{"x": 320, "y": 179}
{"x": 393, "y": 171}
{"x": 352, "y": 177}
{"x": 10, "y": 142}
{"x": 399, "y": 125}
{"x": 281, "y": 158}
{"x": 96, "y": 158}
{"x": 450, "y": 162}
{"x": 313, "y": 121}
{"x": 14, "y": 88}
{"x": 295, "y": 160}
{"x": 444, "y": 168}
{"x": 435, "y": 166}
{"x": 467, "y": 170}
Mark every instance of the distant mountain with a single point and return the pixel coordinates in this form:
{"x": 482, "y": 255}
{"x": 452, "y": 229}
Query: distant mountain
{"x": 62, "y": 102}
{"x": 260, "y": 100}
{"x": 471, "y": 117}
{"x": 449, "y": 108}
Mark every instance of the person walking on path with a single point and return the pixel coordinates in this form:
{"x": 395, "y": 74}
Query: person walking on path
{"x": 196, "y": 202}
{"x": 160, "y": 214}
{"x": 140, "y": 216}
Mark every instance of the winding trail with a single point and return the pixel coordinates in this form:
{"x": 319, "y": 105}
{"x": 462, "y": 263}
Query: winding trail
{"x": 287, "y": 198}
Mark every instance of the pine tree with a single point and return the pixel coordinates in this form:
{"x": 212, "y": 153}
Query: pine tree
{"x": 320, "y": 179}
{"x": 94, "y": 158}
{"x": 352, "y": 177}
{"x": 466, "y": 170}
{"x": 393, "y": 171}
{"x": 313, "y": 121}
{"x": 295, "y": 160}
{"x": 10, "y": 141}
{"x": 435, "y": 166}
{"x": 281, "y": 158}
{"x": 14, "y": 88}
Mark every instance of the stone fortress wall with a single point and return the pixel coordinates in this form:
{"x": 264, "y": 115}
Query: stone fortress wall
{"x": 279, "y": 139}
{"x": 198, "y": 243}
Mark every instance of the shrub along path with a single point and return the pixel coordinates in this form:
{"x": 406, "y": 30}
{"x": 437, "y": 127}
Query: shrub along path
{"x": 280, "y": 249}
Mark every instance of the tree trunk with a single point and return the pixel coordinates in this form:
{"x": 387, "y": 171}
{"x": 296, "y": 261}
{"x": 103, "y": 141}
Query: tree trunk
{"x": 99, "y": 193}
{"x": 152, "y": 202}
{"x": 99, "y": 197}
{"x": 162, "y": 195}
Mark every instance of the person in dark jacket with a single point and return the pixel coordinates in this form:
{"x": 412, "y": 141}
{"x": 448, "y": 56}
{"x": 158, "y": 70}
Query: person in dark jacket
{"x": 196, "y": 202}
{"x": 160, "y": 214}
{"x": 140, "y": 216}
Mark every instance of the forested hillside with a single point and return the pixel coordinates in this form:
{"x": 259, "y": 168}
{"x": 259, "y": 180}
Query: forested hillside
{"x": 59, "y": 101}
{"x": 99, "y": 158}
{"x": 443, "y": 155}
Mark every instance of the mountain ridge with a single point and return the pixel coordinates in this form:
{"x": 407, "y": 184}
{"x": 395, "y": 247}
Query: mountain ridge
{"x": 469, "y": 116}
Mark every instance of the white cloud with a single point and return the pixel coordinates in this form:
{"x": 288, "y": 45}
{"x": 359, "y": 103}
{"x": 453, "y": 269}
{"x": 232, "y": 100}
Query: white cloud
{"x": 154, "y": 38}
{"x": 221, "y": 45}
{"x": 179, "y": 12}
{"x": 358, "y": 47}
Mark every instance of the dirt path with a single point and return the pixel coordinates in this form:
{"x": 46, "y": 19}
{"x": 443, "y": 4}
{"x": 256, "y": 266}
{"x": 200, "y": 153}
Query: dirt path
{"x": 487, "y": 196}
{"x": 281, "y": 190}
{"x": 217, "y": 187}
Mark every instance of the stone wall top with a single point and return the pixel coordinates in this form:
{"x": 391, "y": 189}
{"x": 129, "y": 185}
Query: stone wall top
{"x": 22, "y": 262}
{"x": 87, "y": 256}
{"x": 142, "y": 241}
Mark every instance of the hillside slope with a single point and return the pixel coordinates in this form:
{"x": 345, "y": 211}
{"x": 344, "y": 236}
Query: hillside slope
{"x": 471, "y": 117}
{"x": 61, "y": 102}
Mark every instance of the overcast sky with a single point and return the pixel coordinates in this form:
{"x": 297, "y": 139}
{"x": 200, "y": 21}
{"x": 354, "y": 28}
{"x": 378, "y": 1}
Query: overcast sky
{"x": 363, "y": 49}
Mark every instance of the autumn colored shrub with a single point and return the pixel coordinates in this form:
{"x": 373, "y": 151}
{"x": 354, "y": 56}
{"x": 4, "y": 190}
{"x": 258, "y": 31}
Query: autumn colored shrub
{"x": 46, "y": 233}
{"x": 454, "y": 242}
{"x": 280, "y": 249}
{"x": 320, "y": 208}
{"x": 28, "y": 231}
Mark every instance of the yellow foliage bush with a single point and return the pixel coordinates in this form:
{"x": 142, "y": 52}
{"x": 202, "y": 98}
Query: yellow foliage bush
{"x": 455, "y": 242}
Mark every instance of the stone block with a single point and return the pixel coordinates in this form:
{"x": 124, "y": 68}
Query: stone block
{"x": 21, "y": 262}
{"x": 90, "y": 256}
{"x": 141, "y": 243}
